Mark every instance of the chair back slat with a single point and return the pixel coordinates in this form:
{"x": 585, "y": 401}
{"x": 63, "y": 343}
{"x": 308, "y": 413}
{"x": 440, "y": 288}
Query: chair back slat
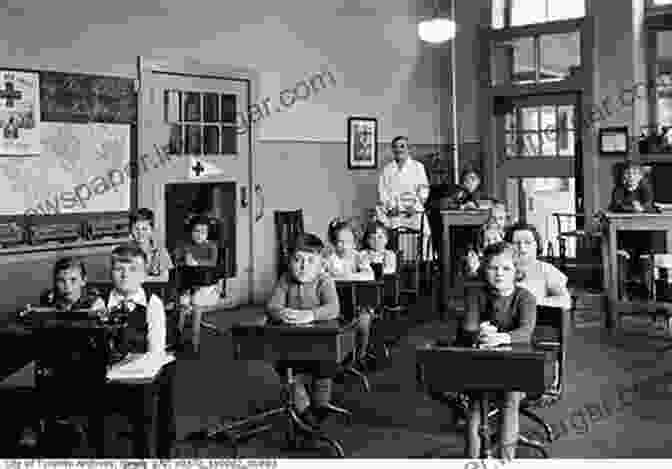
{"x": 288, "y": 225}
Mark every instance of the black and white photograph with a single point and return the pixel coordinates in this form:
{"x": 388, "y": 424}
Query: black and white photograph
{"x": 400, "y": 232}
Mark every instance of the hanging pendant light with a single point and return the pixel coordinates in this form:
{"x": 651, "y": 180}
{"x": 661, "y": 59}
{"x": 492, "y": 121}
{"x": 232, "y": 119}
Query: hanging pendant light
{"x": 437, "y": 29}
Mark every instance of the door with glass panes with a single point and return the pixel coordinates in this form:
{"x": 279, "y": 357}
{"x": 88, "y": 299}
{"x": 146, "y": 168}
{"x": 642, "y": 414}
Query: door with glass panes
{"x": 539, "y": 163}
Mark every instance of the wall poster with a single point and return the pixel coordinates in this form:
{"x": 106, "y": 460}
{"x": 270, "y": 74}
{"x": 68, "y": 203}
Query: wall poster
{"x": 19, "y": 113}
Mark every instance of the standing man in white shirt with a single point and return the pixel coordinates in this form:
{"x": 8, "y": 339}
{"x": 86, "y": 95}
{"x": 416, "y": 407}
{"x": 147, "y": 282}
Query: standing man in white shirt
{"x": 403, "y": 188}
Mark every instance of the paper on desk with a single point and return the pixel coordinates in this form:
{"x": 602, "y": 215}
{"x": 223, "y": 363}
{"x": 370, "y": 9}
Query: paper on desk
{"x": 139, "y": 366}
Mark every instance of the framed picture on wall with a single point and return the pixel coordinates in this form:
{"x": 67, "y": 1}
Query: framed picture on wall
{"x": 362, "y": 143}
{"x": 613, "y": 141}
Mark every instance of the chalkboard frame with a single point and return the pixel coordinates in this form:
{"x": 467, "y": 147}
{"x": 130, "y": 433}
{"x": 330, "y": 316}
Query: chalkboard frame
{"x": 27, "y": 220}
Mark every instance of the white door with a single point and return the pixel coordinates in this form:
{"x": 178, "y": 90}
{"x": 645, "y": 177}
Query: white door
{"x": 188, "y": 133}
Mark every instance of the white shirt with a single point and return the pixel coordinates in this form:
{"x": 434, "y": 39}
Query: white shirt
{"x": 547, "y": 284}
{"x": 356, "y": 268}
{"x": 156, "y": 317}
{"x": 394, "y": 182}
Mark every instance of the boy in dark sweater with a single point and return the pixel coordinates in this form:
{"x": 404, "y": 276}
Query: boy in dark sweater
{"x": 303, "y": 295}
{"x": 498, "y": 313}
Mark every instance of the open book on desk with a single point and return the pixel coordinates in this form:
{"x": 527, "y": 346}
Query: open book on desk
{"x": 138, "y": 367}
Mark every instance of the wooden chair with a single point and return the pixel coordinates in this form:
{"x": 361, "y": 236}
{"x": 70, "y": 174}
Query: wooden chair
{"x": 288, "y": 225}
{"x": 586, "y": 266}
{"x": 412, "y": 254}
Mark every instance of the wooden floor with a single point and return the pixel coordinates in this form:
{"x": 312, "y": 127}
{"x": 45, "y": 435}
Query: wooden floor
{"x": 394, "y": 420}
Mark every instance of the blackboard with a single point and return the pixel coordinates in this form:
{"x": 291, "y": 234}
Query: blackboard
{"x": 72, "y": 97}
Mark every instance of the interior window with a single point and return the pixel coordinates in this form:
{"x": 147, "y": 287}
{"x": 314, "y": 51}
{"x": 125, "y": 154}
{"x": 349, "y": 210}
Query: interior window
{"x": 524, "y": 12}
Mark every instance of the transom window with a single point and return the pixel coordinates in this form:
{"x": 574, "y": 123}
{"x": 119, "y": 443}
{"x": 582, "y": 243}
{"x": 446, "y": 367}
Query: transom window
{"x": 540, "y": 131}
{"x": 662, "y": 70}
{"x": 508, "y": 13}
{"x": 536, "y": 59}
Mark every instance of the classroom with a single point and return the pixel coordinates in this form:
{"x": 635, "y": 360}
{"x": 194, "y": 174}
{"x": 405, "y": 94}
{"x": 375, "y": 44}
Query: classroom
{"x": 430, "y": 229}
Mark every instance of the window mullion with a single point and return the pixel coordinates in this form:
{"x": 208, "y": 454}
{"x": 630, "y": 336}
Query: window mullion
{"x": 508, "y": 7}
{"x": 537, "y": 58}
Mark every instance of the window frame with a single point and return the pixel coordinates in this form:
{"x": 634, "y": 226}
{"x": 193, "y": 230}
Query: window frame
{"x": 655, "y": 24}
{"x": 508, "y": 13}
{"x": 535, "y": 32}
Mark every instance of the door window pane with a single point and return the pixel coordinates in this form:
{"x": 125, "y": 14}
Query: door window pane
{"x": 192, "y": 107}
{"x": 193, "y": 140}
{"x": 229, "y": 140}
{"x": 529, "y": 118}
{"x": 566, "y": 117}
{"x": 548, "y": 118}
{"x": 566, "y": 143}
{"x": 229, "y": 108}
{"x": 211, "y": 140}
{"x": 530, "y": 144}
{"x": 549, "y": 143}
{"x": 546, "y": 131}
{"x": 211, "y": 107}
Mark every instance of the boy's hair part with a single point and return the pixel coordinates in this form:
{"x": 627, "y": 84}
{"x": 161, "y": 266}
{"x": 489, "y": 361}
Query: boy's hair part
{"x": 307, "y": 242}
{"x": 142, "y": 214}
{"x": 198, "y": 220}
{"x": 68, "y": 263}
{"x": 399, "y": 138}
{"x": 126, "y": 253}
{"x": 522, "y": 226}
{"x": 497, "y": 249}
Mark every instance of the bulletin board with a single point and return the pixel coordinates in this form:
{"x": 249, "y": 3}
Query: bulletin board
{"x": 87, "y": 134}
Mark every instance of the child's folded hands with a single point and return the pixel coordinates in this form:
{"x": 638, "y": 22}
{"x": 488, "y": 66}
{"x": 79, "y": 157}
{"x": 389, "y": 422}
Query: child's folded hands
{"x": 494, "y": 339}
{"x": 297, "y": 316}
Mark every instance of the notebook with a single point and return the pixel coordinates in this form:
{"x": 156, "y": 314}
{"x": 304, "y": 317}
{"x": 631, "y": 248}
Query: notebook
{"x": 138, "y": 366}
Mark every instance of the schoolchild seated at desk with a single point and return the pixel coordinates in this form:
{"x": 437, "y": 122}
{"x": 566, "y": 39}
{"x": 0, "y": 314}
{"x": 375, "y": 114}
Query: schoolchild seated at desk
{"x": 633, "y": 195}
{"x": 467, "y": 194}
{"x": 69, "y": 292}
{"x": 199, "y": 252}
{"x": 498, "y": 313}
{"x": 347, "y": 263}
{"x": 302, "y": 295}
{"x": 145, "y": 334}
{"x": 159, "y": 262}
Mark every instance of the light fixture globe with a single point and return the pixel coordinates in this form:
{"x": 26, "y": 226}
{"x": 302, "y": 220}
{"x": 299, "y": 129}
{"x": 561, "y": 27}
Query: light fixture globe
{"x": 437, "y": 30}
